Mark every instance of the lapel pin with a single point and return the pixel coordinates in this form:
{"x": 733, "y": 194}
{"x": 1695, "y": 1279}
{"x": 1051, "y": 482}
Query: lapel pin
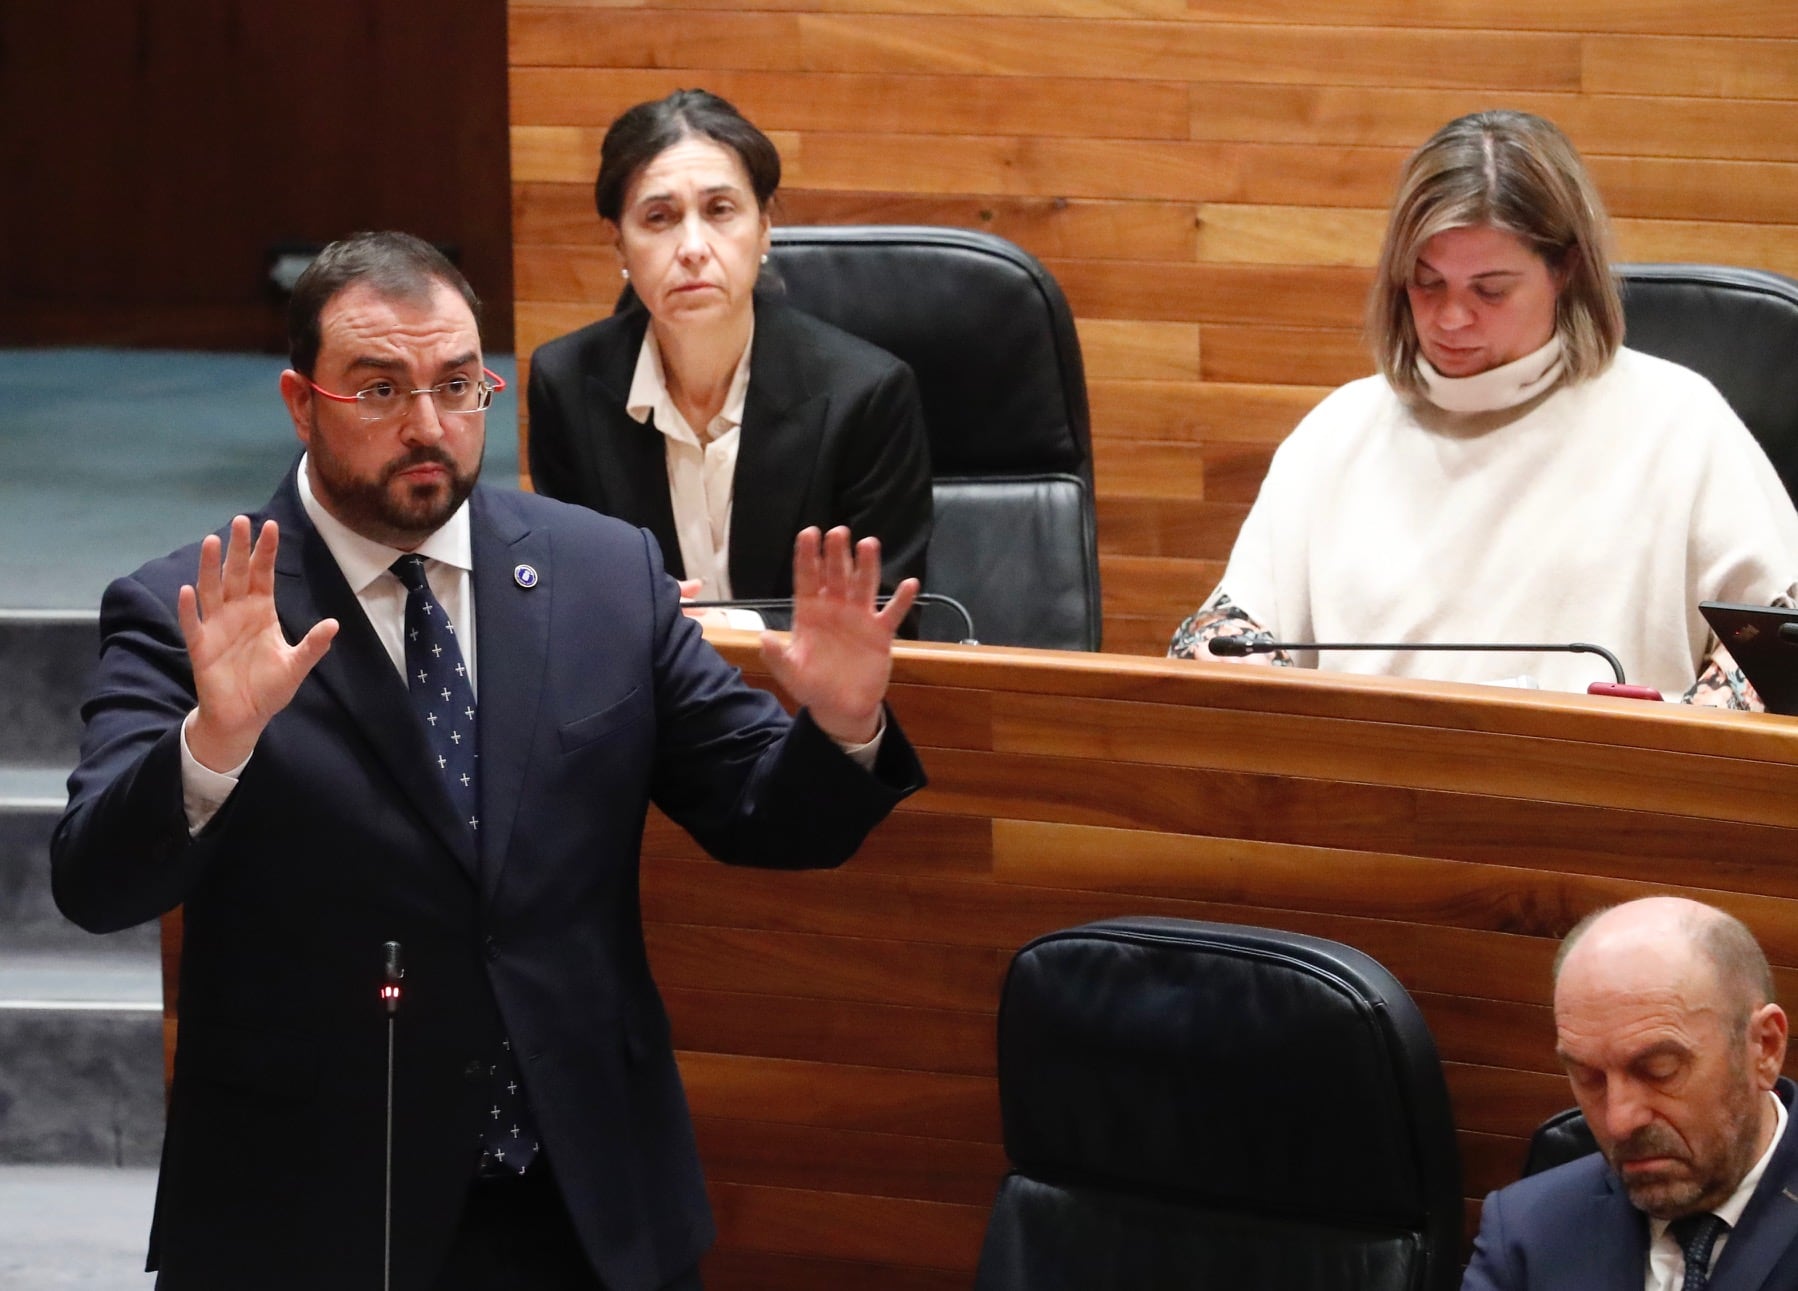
{"x": 525, "y": 576}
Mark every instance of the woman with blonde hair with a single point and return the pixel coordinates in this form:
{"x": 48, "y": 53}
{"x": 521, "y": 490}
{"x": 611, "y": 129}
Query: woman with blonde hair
{"x": 1513, "y": 473}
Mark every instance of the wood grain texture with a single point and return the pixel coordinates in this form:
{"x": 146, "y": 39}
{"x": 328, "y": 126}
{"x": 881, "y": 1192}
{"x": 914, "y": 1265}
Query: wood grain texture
{"x": 1195, "y": 413}
{"x": 162, "y": 151}
{"x": 1674, "y": 17}
{"x": 1653, "y": 123}
{"x": 1702, "y": 67}
{"x": 847, "y": 1226}
{"x": 951, "y": 105}
{"x": 1121, "y": 349}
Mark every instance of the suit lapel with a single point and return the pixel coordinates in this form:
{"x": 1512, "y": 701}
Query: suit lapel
{"x": 513, "y": 588}
{"x": 1765, "y": 1237}
{"x": 357, "y": 671}
{"x": 1618, "y": 1244}
{"x": 630, "y": 457}
{"x": 783, "y": 431}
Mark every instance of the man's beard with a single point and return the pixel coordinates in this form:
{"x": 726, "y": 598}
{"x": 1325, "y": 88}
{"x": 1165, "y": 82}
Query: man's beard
{"x": 374, "y": 510}
{"x": 1704, "y": 1184}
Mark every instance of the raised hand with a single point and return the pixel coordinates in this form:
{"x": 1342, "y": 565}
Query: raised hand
{"x": 839, "y": 655}
{"x": 244, "y": 670}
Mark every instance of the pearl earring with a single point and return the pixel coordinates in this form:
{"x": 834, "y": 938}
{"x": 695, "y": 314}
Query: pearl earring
{"x": 625, "y": 274}
{"x": 764, "y": 257}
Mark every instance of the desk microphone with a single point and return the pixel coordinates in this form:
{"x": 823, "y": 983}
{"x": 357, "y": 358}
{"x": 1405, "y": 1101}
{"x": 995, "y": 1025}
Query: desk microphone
{"x": 393, "y": 970}
{"x": 1241, "y": 647}
{"x": 761, "y": 603}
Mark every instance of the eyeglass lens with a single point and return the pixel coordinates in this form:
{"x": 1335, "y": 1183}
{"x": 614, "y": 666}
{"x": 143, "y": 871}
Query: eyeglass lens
{"x": 459, "y": 394}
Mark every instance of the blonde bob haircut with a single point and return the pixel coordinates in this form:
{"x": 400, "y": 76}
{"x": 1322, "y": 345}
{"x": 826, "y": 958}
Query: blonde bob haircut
{"x": 1518, "y": 173}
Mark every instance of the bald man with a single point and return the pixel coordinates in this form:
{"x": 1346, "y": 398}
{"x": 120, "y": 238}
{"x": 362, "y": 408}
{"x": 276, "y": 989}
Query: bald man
{"x": 1666, "y": 1025}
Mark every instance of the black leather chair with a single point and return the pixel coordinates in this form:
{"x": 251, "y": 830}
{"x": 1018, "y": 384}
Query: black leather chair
{"x": 1563, "y": 1137}
{"x": 1201, "y": 1105}
{"x": 1739, "y": 328}
{"x": 992, "y": 342}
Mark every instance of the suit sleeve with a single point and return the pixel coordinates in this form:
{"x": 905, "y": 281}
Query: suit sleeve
{"x": 551, "y": 456}
{"x": 1494, "y": 1266}
{"x": 121, "y": 854}
{"x": 883, "y": 488}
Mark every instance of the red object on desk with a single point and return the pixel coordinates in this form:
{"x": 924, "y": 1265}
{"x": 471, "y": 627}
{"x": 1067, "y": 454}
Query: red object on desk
{"x": 1623, "y": 690}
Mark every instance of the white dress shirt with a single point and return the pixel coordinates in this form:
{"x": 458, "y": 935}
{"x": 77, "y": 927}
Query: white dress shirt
{"x": 1666, "y": 1262}
{"x": 702, "y": 469}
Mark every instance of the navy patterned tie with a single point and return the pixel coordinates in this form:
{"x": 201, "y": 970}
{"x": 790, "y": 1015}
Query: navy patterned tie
{"x": 443, "y": 694}
{"x": 1697, "y": 1236}
{"x": 508, "y": 1131}
{"x": 438, "y": 681}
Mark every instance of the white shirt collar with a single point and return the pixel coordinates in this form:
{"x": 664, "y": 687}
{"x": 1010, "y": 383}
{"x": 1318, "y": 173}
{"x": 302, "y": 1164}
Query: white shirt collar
{"x": 363, "y": 560}
{"x": 649, "y": 392}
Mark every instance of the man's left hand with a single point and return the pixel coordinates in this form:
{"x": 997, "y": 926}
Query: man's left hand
{"x": 839, "y": 655}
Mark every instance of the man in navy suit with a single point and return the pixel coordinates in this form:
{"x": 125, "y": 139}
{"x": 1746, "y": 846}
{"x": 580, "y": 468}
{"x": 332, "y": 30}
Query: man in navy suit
{"x": 255, "y": 752}
{"x": 1666, "y": 1024}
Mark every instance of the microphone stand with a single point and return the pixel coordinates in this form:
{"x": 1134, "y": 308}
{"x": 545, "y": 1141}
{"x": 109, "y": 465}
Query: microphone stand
{"x": 786, "y": 603}
{"x": 1238, "y": 647}
{"x": 392, "y": 971}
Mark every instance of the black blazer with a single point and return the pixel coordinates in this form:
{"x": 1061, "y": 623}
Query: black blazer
{"x": 1573, "y": 1229}
{"x": 596, "y": 697}
{"x": 833, "y": 433}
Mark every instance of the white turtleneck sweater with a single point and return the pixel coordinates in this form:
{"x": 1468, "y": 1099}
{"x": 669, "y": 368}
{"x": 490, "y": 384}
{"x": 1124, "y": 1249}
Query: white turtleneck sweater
{"x": 1602, "y": 512}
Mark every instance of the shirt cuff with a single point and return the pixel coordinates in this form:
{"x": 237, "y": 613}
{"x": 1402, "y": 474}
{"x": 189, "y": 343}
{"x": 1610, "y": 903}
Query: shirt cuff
{"x": 865, "y": 755}
{"x": 203, "y": 791}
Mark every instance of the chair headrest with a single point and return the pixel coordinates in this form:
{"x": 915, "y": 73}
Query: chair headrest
{"x": 984, "y": 327}
{"x": 1257, "y": 1069}
{"x": 1737, "y": 327}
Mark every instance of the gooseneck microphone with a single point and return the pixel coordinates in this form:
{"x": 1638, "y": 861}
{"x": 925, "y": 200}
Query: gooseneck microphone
{"x": 1240, "y": 647}
{"x": 393, "y": 971}
{"x": 760, "y": 603}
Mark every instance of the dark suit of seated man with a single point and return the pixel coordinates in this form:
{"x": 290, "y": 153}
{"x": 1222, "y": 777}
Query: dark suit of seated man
{"x": 417, "y": 710}
{"x": 1667, "y": 1029}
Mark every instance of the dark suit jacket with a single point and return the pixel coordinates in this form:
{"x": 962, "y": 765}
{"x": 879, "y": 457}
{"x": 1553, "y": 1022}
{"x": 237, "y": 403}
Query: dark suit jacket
{"x": 596, "y": 697}
{"x": 1573, "y": 1227}
{"x": 833, "y": 433}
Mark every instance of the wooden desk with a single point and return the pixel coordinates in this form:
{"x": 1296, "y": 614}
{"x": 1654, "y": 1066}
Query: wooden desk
{"x": 836, "y": 1029}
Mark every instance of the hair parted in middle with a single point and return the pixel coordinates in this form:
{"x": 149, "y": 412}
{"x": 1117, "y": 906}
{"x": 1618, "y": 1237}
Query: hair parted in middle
{"x": 646, "y": 131}
{"x": 1515, "y": 172}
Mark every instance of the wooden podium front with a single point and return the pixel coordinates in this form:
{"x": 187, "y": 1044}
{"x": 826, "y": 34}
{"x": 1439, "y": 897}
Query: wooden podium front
{"x": 836, "y": 1029}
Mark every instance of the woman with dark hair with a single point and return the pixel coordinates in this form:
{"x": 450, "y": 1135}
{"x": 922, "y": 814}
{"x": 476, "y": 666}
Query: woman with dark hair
{"x": 709, "y": 413}
{"x": 1513, "y": 473}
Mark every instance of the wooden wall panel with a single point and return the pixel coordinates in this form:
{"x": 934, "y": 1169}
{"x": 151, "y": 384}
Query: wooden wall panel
{"x": 1206, "y": 178}
{"x": 154, "y": 153}
{"x": 1677, "y": 17}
